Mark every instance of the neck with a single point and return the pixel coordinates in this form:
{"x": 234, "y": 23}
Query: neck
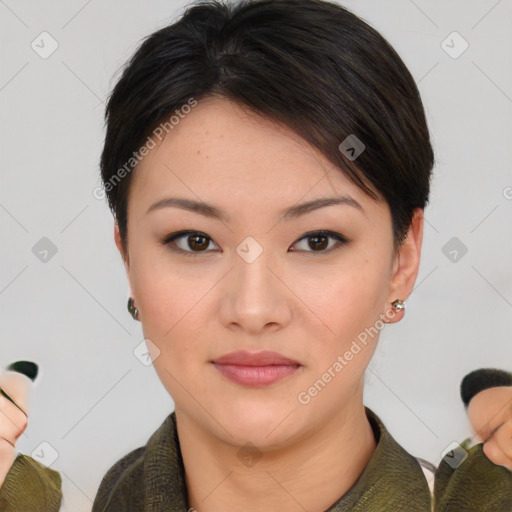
{"x": 310, "y": 474}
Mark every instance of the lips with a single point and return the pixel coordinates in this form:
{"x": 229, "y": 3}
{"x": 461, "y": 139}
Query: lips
{"x": 256, "y": 369}
{"x": 244, "y": 358}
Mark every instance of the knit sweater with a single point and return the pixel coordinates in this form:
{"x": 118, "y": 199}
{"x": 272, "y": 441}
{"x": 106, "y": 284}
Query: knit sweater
{"x": 151, "y": 478}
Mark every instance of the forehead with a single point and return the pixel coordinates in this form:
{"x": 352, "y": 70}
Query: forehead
{"x": 222, "y": 150}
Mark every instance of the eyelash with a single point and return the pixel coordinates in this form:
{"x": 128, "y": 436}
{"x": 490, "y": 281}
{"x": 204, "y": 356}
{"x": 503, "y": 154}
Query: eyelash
{"x": 340, "y": 239}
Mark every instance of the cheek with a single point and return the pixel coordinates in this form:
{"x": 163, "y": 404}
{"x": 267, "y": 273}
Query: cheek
{"x": 173, "y": 318}
{"x": 357, "y": 292}
{"x": 170, "y": 305}
{"x": 164, "y": 290}
{"x": 350, "y": 301}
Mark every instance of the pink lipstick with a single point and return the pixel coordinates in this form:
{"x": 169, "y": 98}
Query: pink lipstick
{"x": 255, "y": 369}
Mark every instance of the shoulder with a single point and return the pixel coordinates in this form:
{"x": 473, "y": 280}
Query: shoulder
{"x": 123, "y": 488}
{"x": 467, "y": 480}
{"x": 394, "y": 474}
{"x": 30, "y": 485}
{"x": 122, "y": 485}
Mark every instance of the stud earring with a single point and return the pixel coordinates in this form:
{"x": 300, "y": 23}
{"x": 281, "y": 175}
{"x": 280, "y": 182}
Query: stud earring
{"x": 132, "y": 309}
{"x": 398, "y": 304}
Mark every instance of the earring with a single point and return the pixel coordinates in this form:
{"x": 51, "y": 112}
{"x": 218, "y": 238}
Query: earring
{"x": 132, "y": 309}
{"x": 398, "y": 304}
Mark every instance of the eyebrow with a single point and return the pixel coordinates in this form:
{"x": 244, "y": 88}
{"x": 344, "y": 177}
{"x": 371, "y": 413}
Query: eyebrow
{"x": 293, "y": 212}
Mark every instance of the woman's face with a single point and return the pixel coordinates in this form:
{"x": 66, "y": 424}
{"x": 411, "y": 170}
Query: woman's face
{"x": 252, "y": 281}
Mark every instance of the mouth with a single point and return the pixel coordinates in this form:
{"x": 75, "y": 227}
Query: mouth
{"x": 256, "y": 369}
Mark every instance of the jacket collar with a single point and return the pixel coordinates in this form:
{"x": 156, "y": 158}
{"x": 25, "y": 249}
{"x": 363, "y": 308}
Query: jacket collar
{"x": 392, "y": 481}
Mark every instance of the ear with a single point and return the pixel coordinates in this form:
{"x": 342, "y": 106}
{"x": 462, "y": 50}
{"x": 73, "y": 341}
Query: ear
{"x": 406, "y": 265}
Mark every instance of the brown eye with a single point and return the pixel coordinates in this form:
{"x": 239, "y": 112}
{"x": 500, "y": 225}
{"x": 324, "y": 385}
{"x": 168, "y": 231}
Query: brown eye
{"x": 188, "y": 242}
{"x": 197, "y": 242}
{"x": 318, "y": 241}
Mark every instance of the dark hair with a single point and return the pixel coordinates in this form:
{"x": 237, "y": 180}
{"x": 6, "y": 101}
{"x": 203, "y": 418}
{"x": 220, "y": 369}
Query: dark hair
{"x": 481, "y": 379}
{"x": 311, "y": 65}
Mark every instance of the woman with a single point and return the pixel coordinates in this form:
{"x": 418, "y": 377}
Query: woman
{"x": 268, "y": 164}
{"x": 257, "y": 116}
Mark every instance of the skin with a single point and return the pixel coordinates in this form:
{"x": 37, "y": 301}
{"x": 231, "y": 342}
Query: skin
{"x": 306, "y": 303}
{"x": 490, "y": 415}
{"x": 13, "y": 423}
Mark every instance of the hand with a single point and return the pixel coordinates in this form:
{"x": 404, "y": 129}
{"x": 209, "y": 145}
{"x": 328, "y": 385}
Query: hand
{"x": 13, "y": 422}
{"x": 490, "y": 415}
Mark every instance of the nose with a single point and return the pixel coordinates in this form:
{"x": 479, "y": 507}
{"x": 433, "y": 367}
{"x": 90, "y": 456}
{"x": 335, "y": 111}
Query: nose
{"x": 256, "y": 295}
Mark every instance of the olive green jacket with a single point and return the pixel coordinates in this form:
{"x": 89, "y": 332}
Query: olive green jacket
{"x": 151, "y": 479}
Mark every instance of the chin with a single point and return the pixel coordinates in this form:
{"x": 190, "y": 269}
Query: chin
{"x": 262, "y": 424}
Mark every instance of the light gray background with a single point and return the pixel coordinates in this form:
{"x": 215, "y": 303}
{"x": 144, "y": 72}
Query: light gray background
{"x": 94, "y": 400}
